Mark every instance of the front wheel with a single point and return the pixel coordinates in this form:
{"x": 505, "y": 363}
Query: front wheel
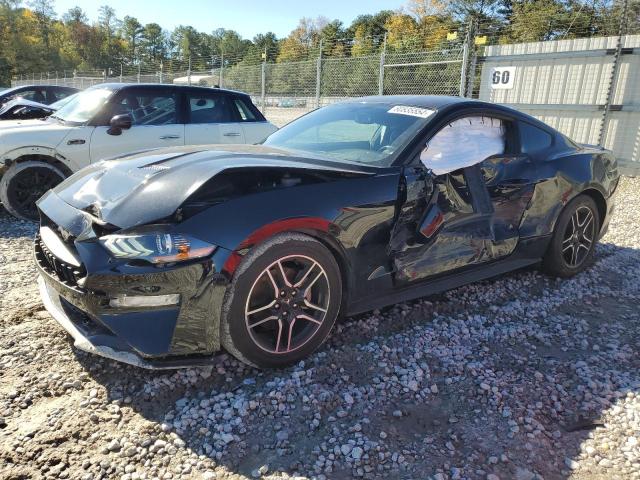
{"x": 282, "y": 302}
{"x": 573, "y": 243}
{"x": 24, "y": 183}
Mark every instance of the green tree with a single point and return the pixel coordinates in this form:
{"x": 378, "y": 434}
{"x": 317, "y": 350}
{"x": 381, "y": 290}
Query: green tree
{"x": 108, "y": 25}
{"x": 132, "y": 31}
{"x": 153, "y": 43}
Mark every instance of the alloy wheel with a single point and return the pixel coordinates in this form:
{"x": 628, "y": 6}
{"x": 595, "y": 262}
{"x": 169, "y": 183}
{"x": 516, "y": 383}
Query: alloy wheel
{"x": 287, "y": 304}
{"x": 29, "y": 186}
{"x": 578, "y": 237}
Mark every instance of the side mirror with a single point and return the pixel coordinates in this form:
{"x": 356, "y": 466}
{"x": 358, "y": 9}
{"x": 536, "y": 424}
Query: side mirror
{"x": 119, "y": 123}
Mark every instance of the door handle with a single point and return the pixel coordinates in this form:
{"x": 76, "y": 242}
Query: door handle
{"x": 231, "y": 134}
{"x": 169, "y": 137}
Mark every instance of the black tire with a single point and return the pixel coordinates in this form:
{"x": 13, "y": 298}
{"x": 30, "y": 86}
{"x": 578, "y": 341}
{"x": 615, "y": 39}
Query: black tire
{"x": 266, "y": 343}
{"x": 573, "y": 243}
{"x": 16, "y": 196}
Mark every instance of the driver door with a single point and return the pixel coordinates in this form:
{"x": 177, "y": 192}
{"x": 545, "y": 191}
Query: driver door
{"x": 447, "y": 220}
{"x": 155, "y": 123}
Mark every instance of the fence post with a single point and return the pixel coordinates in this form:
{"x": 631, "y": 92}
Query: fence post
{"x": 381, "y": 72}
{"x": 318, "y": 75}
{"x": 138, "y": 71}
{"x": 161, "y": 72}
{"x": 467, "y": 69}
{"x": 263, "y": 86}
{"x": 221, "y": 69}
{"x": 615, "y": 72}
{"x": 189, "y": 72}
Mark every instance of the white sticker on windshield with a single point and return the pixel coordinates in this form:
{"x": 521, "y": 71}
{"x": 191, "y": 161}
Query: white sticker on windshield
{"x": 413, "y": 111}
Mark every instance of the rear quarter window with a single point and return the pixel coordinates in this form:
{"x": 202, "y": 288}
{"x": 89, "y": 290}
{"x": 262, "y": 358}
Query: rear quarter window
{"x": 246, "y": 111}
{"x": 533, "y": 139}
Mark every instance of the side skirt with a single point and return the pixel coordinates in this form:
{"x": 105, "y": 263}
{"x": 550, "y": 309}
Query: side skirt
{"x": 528, "y": 252}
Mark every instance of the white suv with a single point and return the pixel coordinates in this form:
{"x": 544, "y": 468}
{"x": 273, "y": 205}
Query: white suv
{"x": 110, "y": 120}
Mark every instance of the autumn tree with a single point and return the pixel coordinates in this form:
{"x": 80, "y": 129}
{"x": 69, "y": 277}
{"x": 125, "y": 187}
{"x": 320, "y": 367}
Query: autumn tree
{"x": 403, "y": 33}
{"x": 301, "y": 40}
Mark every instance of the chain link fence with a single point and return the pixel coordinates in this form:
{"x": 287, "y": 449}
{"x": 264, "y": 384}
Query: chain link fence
{"x": 286, "y": 90}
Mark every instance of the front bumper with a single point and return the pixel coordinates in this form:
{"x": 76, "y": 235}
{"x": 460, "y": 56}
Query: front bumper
{"x": 88, "y": 339}
{"x": 186, "y": 334}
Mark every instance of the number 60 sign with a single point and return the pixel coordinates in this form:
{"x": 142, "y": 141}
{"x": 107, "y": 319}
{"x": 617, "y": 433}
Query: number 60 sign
{"x": 502, "y": 77}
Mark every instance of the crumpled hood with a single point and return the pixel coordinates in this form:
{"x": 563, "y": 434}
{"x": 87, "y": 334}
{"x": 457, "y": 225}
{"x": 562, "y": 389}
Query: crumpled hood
{"x": 150, "y": 186}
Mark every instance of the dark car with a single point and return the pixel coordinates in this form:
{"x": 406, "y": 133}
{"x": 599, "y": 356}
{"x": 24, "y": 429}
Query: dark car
{"x": 44, "y": 94}
{"x": 22, "y": 109}
{"x": 161, "y": 259}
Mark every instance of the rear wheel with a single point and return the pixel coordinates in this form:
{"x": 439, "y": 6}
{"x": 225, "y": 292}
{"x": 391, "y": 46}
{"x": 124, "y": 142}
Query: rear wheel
{"x": 24, "y": 183}
{"x": 573, "y": 243}
{"x": 282, "y": 303}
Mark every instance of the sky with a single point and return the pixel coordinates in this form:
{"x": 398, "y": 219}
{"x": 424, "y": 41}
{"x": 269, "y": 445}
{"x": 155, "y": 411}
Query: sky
{"x": 247, "y": 17}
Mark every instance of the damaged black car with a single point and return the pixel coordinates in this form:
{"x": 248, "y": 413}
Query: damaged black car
{"x": 162, "y": 259}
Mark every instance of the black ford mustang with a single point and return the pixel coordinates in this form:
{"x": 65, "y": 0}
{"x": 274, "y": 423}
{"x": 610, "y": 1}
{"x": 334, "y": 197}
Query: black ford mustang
{"x": 161, "y": 259}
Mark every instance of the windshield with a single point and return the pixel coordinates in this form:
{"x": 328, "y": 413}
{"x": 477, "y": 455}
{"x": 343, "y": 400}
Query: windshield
{"x": 62, "y": 102}
{"x": 370, "y": 133}
{"x": 82, "y": 107}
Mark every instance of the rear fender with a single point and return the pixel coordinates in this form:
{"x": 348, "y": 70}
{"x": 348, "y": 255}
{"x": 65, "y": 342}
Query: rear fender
{"x": 561, "y": 180}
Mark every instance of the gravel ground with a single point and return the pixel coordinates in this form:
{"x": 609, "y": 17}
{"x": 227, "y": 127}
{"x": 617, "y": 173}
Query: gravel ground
{"x": 522, "y": 377}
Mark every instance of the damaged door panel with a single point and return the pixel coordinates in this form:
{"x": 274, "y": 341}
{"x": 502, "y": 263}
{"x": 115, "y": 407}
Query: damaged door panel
{"x": 451, "y": 231}
{"x": 510, "y": 181}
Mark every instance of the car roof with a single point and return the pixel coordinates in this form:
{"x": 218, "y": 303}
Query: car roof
{"x": 26, "y": 87}
{"x": 438, "y": 102}
{"x": 120, "y": 86}
{"x": 426, "y": 101}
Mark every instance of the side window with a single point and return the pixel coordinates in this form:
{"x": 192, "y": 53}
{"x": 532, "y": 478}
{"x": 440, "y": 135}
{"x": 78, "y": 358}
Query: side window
{"x": 243, "y": 110}
{"x": 463, "y": 143}
{"x": 35, "y": 95}
{"x": 533, "y": 139}
{"x": 208, "y": 107}
{"x": 60, "y": 94}
{"x": 148, "y": 107}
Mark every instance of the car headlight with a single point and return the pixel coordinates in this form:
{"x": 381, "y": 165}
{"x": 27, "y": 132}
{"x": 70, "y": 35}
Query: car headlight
{"x": 156, "y": 247}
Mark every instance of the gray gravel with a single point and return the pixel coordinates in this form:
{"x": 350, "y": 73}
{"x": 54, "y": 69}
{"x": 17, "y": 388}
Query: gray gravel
{"x": 522, "y": 377}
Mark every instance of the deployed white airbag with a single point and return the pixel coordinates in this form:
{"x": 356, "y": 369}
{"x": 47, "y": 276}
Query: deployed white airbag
{"x": 464, "y": 143}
